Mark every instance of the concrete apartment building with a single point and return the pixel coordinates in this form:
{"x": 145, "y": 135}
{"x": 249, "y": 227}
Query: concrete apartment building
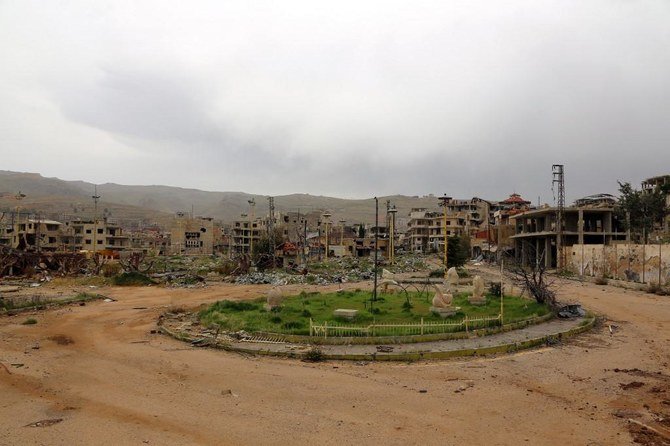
{"x": 244, "y": 233}
{"x": 33, "y": 235}
{"x": 191, "y": 236}
{"x": 536, "y": 231}
{"x": 92, "y": 236}
{"x": 425, "y": 229}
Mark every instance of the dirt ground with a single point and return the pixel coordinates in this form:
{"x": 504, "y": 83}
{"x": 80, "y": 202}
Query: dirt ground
{"x": 95, "y": 375}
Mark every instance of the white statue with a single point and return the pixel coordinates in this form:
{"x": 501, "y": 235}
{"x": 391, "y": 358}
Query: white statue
{"x": 452, "y": 279}
{"x": 477, "y": 297}
{"x": 442, "y": 300}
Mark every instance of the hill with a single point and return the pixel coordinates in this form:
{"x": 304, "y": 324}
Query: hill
{"x": 158, "y": 203}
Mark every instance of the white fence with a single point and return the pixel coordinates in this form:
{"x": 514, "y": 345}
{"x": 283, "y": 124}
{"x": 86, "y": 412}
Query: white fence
{"x": 326, "y": 329}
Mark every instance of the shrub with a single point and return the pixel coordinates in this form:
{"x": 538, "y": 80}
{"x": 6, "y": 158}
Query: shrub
{"x": 29, "y": 321}
{"x": 495, "y": 289}
{"x": 275, "y": 319}
{"x": 437, "y": 273}
{"x": 601, "y": 281}
{"x": 291, "y": 325}
{"x": 306, "y": 313}
{"x": 233, "y": 306}
{"x": 111, "y": 269}
{"x": 314, "y": 355}
{"x": 132, "y": 279}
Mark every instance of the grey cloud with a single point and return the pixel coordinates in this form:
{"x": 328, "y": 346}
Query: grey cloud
{"x": 477, "y": 99}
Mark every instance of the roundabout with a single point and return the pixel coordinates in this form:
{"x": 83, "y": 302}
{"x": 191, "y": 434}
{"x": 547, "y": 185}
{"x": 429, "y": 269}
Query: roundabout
{"x": 353, "y": 325}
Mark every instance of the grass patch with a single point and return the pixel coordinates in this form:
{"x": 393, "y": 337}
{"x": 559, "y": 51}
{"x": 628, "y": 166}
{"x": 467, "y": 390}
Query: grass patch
{"x": 40, "y": 301}
{"x": 295, "y": 312}
{"x": 29, "y": 321}
{"x": 132, "y": 279}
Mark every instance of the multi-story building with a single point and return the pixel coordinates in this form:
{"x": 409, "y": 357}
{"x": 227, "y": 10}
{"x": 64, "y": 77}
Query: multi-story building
{"x": 191, "y": 235}
{"x": 537, "y": 235}
{"x": 245, "y": 233}
{"x": 94, "y": 236}
{"x": 426, "y": 231}
{"x": 34, "y": 235}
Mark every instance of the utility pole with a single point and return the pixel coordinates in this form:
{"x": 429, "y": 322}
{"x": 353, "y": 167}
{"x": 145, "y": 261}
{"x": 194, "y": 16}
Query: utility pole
{"x": 305, "y": 246}
{"x": 95, "y": 197}
{"x": 271, "y": 231}
{"x": 252, "y": 204}
{"x": 326, "y": 216}
{"x": 559, "y": 181}
{"x": 443, "y": 202}
{"x": 392, "y": 210}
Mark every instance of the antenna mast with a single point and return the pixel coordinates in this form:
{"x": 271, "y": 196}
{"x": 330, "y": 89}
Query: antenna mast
{"x": 559, "y": 181}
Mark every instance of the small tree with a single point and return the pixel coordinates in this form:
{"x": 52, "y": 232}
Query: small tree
{"x": 135, "y": 263}
{"x": 361, "y": 231}
{"x": 458, "y": 251}
{"x": 533, "y": 278}
{"x": 641, "y": 211}
{"x": 263, "y": 253}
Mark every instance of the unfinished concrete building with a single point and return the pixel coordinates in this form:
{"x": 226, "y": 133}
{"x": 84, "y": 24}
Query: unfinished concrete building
{"x": 191, "y": 236}
{"x": 536, "y": 232}
{"x": 245, "y": 233}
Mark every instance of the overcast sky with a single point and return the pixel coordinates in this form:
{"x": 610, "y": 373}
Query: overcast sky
{"x": 343, "y": 98}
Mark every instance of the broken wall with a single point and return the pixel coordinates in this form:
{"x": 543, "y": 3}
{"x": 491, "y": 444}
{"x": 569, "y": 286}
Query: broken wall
{"x": 631, "y": 262}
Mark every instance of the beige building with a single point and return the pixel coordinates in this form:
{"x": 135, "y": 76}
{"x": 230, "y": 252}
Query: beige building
{"x": 34, "y": 235}
{"x": 192, "y": 236}
{"x": 426, "y": 231}
{"x": 92, "y": 236}
{"x": 245, "y": 233}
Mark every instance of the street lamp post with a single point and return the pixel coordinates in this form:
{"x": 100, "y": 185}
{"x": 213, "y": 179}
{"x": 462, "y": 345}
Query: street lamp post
{"x": 374, "y": 295}
{"x": 392, "y": 210}
{"x": 95, "y": 197}
{"x": 443, "y": 202}
{"x": 252, "y": 204}
{"x": 326, "y": 216}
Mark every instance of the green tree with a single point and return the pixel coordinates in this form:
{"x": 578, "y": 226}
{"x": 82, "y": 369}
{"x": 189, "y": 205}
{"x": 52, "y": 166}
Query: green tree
{"x": 458, "y": 250}
{"x": 262, "y": 254}
{"x": 640, "y": 210}
{"x": 361, "y": 231}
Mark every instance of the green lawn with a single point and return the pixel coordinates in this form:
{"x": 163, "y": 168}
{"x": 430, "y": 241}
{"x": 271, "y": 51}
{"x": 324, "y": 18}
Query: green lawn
{"x": 295, "y": 312}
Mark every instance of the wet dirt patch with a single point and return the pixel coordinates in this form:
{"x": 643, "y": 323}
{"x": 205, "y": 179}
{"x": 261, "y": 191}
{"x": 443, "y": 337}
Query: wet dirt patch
{"x": 61, "y": 339}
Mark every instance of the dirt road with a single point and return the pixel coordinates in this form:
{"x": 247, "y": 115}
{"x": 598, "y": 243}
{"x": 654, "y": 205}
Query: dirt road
{"x": 98, "y": 368}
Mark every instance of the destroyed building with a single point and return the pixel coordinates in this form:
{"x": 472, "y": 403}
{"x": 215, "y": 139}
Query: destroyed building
{"x": 191, "y": 235}
{"x": 537, "y": 234}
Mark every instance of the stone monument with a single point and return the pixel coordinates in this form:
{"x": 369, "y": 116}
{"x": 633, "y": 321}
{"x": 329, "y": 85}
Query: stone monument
{"x": 477, "y": 297}
{"x": 274, "y": 298}
{"x": 452, "y": 279}
{"x": 442, "y": 303}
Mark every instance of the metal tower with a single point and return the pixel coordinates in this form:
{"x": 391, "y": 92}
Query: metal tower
{"x": 559, "y": 182}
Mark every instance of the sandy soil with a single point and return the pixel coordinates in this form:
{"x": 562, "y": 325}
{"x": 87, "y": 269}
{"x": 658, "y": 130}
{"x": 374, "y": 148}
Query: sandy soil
{"x": 100, "y": 370}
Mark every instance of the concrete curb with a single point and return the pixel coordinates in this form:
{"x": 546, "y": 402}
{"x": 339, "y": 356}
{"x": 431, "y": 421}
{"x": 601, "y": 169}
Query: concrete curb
{"x": 403, "y": 356}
